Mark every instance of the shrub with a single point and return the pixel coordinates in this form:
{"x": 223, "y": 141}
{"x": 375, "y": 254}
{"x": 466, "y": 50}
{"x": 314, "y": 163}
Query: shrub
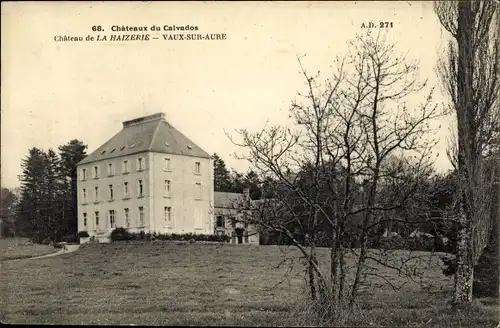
{"x": 83, "y": 234}
{"x": 450, "y": 264}
{"x": 422, "y": 244}
{"x": 120, "y": 234}
{"x": 72, "y": 238}
{"x": 486, "y": 278}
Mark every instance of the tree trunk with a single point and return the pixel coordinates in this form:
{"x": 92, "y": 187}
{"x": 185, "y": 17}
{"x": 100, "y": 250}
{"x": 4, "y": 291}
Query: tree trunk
{"x": 465, "y": 271}
{"x": 334, "y": 268}
{"x": 312, "y": 283}
{"x": 467, "y": 159}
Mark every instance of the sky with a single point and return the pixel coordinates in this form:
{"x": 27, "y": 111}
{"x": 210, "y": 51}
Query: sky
{"x": 53, "y": 92}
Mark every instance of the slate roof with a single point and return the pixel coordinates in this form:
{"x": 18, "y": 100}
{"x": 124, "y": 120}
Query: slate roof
{"x": 227, "y": 199}
{"x": 148, "y": 133}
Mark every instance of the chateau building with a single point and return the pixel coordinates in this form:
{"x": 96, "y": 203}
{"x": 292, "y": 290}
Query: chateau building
{"x": 149, "y": 177}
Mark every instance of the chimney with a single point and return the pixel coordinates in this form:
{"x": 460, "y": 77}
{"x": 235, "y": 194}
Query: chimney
{"x": 144, "y": 119}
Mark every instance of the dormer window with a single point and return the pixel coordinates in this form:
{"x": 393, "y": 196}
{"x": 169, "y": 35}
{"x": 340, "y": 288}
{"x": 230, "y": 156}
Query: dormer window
{"x": 189, "y": 147}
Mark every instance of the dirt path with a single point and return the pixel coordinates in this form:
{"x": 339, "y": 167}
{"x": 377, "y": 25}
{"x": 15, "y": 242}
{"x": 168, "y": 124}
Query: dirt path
{"x": 70, "y": 248}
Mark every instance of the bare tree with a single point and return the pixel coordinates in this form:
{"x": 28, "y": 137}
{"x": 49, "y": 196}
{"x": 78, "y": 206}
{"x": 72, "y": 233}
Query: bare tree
{"x": 331, "y": 168}
{"x": 470, "y": 74}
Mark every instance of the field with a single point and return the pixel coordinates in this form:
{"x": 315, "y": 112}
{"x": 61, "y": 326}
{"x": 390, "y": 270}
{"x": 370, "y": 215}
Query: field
{"x": 15, "y": 248}
{"x": 196, "y": 284}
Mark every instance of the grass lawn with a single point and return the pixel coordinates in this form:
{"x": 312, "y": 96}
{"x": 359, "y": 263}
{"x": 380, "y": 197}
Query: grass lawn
{"x": 196, "y": 284}
{"x": 13, "y": 248}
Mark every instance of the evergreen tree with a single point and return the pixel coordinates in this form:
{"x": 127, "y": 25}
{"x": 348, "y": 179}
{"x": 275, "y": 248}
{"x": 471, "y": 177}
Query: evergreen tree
{"x": 70, "y": 155}
{"x": 54, "y": 225}
{"x": 32, "y": 179}
{"x": 222, "y": 178}
{"x": 237, "y": 182}
{"x": 252, "y": 181}
{"x": 7, "y": 212}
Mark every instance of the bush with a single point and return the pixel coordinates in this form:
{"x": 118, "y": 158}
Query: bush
{"x": 83, "y": 234}
{"x": 120, "y": 234}
{"x": 450, "y": 264}
{"x": 398, "y": 242}
{"x": 72, "y": 238}
{"x": 422, "y": 244}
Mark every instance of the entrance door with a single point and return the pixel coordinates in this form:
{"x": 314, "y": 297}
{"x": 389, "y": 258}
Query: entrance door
{"x": 239, "y": 234}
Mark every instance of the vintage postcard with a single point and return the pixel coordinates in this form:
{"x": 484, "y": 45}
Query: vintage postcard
{"x": 250, "y": 163}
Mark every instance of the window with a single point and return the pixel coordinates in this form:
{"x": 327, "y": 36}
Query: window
{"x": 84, "y": 174}
{"x": 84, "y": 195}
{"x": 96, "y": 172}
{"x": 140, "y": 188}
{"x": 125, "y": 190}
{"x": 141, "y": 216}
{"x": 140, "y": 164}
{"x": 110, "y": 192}
{"x": 96, "y": 194}
{"x": 96, "y": 215}
{"x": 168, "y": 187}
{"x": 125, "y": 166}
{"x": 112, "y": 219}
{"x": 198, "y": 190}
{"x": 85, "y": 220}
{"x": 197, "y": 167}
{"x": 167, "y": 165}
{"x": 127, "y": 218}
{"x": 220, "y": 222}
{"x": 167, "y": 214}
{"x": 110, "y": 169}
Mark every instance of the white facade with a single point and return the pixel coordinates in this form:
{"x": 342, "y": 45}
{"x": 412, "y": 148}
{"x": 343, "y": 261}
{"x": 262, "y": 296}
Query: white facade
{"x": 153, "y": 197}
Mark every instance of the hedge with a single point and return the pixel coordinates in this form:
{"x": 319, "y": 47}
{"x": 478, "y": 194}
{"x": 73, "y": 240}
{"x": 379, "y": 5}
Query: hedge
{"x": 120, "y": 234}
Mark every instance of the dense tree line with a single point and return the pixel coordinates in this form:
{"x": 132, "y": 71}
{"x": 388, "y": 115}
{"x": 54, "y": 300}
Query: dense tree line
{"x": 226, "y": 180}
{"x": 47, "y": 204}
